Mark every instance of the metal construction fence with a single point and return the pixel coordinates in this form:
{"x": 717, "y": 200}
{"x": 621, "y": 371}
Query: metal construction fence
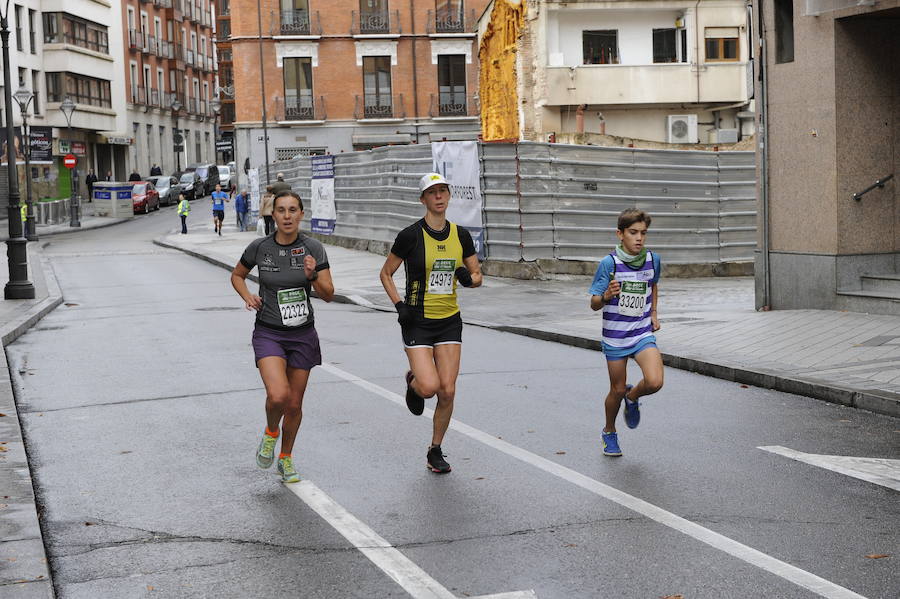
{"x": 560, "y": 202}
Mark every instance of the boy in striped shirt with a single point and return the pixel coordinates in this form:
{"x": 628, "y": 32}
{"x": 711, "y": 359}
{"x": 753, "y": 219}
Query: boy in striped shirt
{"x": 625, "y": 288}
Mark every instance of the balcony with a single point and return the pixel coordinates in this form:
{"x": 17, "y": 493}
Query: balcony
{"x": 187, "y": 10}
{"x": 138, "y": 94}
{"x": 135, "y": 39}
{"x": 300, "y": 108}
{"x": 451, "y": 21}
{"x": 300, "y": 22}
{"x": 375, "y": 22}
{"x": 646, "y": 84}
{"x": 189, "y": 59}
{"x": 191, "y": 105}
{"x": 164, "y": 49}
{"x": 452, "y": 104}
{"x": 150, "y": 46}
{"x": 154, "y": 97}
{"x": 379, "y": 106}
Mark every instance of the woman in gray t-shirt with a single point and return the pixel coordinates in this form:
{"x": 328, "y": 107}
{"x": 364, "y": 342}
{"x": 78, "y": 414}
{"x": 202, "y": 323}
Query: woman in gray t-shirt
{"x": 285, "y": 342}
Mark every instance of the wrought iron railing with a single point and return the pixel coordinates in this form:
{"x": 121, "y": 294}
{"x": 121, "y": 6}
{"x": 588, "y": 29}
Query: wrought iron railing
{"x": 451, "y": 20}
{"x": 300, "y": 22}
{"x": 301, "y": 108}
{"x": 449, "y": 104}
{"x": 379, "y": 106}
{"x": 371, "y": 22}
{"x": 135, "y": 39}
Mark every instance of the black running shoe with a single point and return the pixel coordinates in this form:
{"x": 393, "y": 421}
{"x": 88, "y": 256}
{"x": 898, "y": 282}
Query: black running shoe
{"x": 436, "y": 462}
{"x": 415, "y": 403}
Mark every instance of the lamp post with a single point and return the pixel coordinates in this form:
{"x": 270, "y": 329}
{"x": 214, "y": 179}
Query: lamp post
{"x": 215, "y": 105}
{"x": 176, "y": 107}
{"x": 68, "y": 108}
{"x": 18, "y": 286}
{"x": 23, "y": 98}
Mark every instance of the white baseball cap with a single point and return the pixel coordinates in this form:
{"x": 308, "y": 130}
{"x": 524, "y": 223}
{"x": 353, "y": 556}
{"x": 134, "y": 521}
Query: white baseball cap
{"x": 430, "y": 180}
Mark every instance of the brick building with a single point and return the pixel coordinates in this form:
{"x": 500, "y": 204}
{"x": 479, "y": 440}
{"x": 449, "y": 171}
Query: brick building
{"x": 346, "y": 75}
{"x": 170, "y": 72}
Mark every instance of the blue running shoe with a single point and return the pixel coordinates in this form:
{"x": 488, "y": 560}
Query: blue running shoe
{"x": 611, "y": 444}
{"x": 632, "y": 410}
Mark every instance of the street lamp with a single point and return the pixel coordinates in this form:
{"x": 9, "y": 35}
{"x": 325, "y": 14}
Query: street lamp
{"x": 176, "y": 107}
{"x": 68, "y": 107}
{"x": 18, "y": 286}
{"x": 23, "y": 98}
{"x": 215, "y": 105}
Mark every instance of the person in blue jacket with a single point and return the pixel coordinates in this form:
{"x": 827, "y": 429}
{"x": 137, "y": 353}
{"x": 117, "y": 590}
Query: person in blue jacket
{"x": 242, "y": 209}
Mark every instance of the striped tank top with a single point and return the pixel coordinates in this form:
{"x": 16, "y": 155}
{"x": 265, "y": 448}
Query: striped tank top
{"x": 626, "y": 318}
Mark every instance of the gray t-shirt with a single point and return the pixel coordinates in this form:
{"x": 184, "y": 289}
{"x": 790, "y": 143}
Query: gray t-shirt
{"x": 283, "y": 285}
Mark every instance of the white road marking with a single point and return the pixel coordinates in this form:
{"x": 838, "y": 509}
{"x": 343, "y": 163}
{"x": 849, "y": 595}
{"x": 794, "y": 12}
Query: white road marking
{"x": 802, "y": 578}
{"x": 880, "y": 471}
{"x": 400, "y": 568}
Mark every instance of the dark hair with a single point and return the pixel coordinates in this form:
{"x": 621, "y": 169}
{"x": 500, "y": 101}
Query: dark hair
{"x": 632, "y": 215}
{"x": 287, "y": 193}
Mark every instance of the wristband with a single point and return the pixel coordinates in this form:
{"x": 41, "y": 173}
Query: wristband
{"x": 314, "y": 276}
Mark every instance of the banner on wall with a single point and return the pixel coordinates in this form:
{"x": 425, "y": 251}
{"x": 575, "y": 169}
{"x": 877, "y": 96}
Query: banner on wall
{"x": 253, "y": 183}
{"x": 39, "y": 139}
{"x": 324, "y": 214}
{"x": 457, "y": 161}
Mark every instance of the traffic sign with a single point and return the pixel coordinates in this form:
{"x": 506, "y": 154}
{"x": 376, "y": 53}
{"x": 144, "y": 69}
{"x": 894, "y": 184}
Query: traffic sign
{"x": 178, "y": 148}
{"x": 69, "y": 161}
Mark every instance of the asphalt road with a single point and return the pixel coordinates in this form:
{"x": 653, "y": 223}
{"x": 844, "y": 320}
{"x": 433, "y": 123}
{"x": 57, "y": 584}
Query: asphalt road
{"x": 142, "y": 410}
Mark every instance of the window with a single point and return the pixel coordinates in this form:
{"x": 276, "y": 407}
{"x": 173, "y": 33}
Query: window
{"x": 64, "y": 28}
{"x": 449, "y": 16}
{"x": 82, "y": 89}
{"x": 377, "y": 87}
{"x": 600, "y": 47}
{"x": 19, "y": 44}
{"x": 31, "y": 40}
{"x": 452, "y": 84}
{"x": 295, "y": 17}
{"x": 298, "y": 95}
{"x": 784, "y": 31}
{"x": 373, "y": 16}
{"x": 35, "y": 88}
{"x": 664, "y": 45}
{"x": 721, "y": 44}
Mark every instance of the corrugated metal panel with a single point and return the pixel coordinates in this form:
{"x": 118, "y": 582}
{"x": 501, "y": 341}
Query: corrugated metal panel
{"x": 561, "y": 201}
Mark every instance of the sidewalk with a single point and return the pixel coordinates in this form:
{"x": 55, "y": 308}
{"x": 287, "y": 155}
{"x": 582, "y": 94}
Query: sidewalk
{"x": 708, "y": 326}
{"x": 24, "y": 573}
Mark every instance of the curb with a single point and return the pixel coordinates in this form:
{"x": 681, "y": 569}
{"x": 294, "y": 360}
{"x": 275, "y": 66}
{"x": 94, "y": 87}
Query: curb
{"x": 887, "y": 404}
{"x": 27, "y": 575}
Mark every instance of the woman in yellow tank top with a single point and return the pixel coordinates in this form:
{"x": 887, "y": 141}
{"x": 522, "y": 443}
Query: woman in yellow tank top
{"x": 436, "y": 254}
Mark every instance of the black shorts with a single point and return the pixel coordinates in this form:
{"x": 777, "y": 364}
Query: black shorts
{"x": 219, "y": 214}
{"x": 428, "y": 332}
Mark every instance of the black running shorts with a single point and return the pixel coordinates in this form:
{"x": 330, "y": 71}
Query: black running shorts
{"x": 428, "y": 332}
{"x": 219, "y": 214}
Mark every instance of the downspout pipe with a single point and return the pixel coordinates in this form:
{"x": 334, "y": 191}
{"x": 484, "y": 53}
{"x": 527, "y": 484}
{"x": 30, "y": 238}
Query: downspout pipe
{"x": 412, "y": 29}
{"x": 262, "y": 87}
{"x": 766, "y": 302}
{"x": 697, "y": 47}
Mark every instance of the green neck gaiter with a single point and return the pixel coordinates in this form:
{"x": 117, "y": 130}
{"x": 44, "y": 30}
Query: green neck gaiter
{"x": 634, "y": 261}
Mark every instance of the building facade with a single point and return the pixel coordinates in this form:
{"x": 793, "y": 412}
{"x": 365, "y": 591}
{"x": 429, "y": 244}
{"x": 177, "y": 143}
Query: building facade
{"x": 829, "y": 104}
{"x": 671, "y": 71}
{"x": 68, "y": 49}
{"x": 170, "y": 78}
{"x": 346, "y": 75}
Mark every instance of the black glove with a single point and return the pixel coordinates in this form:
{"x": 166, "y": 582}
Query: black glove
{"x": 463, "y": 276}
{"x": 404, "y": 314}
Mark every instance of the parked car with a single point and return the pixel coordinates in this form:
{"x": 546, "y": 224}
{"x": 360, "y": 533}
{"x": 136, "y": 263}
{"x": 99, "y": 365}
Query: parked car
{"x": 167, "y": 187}
{"x": 225, "y": 179}
{"x": 188, "y": 184}
{"x": 209, "y": 177}
{"x": 144, "y": 197}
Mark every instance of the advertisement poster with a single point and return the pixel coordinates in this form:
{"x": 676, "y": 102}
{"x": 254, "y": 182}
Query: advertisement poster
{"x": 253, "y": 183}
{"x": 41, "y": 146}
{"x": 324, "y": 213}
{"x": 457, "y": 161}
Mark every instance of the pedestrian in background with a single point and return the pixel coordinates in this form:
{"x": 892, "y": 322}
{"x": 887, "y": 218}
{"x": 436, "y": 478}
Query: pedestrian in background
{"x": 626, "y": 289}
{"x": 109, "y": 176}
{"x": 184, "y": 208}
{"x": 89, "y": 181}
{"x": 242, "y": 209}
{"x": 219, "y": 198}
{"x": 285, "y": 342}
{"x": 134, "y": 176}
{"x": 155, "y": 171}
{"x": 280, "y": 184}
{"x": 266, "y": 204}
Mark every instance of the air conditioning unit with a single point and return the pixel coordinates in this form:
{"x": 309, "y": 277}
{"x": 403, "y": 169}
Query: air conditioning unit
{"x": 724, "y": 136}
{"x": 682, "y": 128}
